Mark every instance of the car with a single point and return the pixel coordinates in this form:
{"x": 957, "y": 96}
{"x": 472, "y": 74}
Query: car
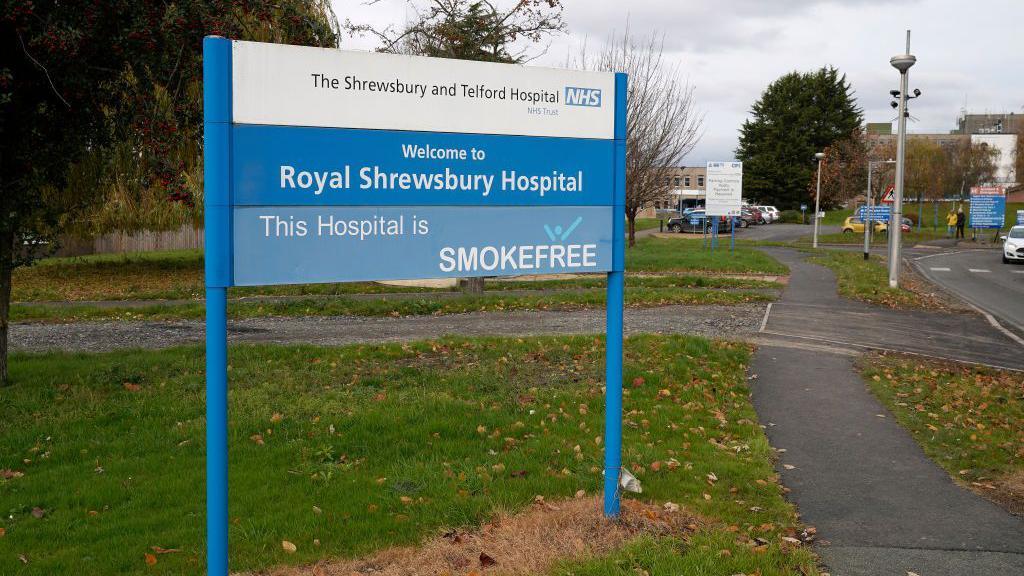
{"x": 696, "y": 221}
{"x": 1013, "y": 245}
{"x": 753, "y": 215}
{"x": 854, "y": 225}
{"x": 771, "y": 213}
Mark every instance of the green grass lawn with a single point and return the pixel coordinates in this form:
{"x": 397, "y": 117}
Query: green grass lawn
{"x": 635, "y": 297}
{"x": 175, "y": 275}
{"x": 344, "y": 451}
{"x": 868, "y": 280}
{"x": 969, "y": 419}
{"x": 647, "y": 223}
{"x": 688, "y": 255}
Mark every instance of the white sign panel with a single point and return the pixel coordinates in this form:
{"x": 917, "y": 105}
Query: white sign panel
{"x": 724, "y": 188}
{"x": 302, "y": 86}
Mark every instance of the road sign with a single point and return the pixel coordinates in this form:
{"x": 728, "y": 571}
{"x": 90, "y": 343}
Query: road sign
{"x": 723, "y": 188}
{"x": 889, "y": 196}
{"x": 988, "y": 207}
{"x": 1020, "y": 217}
{"x": 877, "y": 213}
{"x": 322, "y": 165}
{"x": 803, "y": 207}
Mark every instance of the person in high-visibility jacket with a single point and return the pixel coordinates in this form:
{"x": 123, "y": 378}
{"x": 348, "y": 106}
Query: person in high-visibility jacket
{"x": 950, "y": 223}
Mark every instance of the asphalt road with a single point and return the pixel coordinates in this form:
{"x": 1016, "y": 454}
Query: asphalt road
{"x": 980, "y": 278}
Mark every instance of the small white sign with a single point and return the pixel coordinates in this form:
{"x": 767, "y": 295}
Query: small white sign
{"x": 303, "y": 86}
{"x": 724, "y": 188}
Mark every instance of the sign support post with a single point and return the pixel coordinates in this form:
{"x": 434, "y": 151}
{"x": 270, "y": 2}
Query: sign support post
{"x": 217, "y": 210}
{"x": 614, "y": 310}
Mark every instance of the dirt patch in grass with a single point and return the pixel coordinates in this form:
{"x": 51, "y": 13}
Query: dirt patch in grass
{"x": 1007, "y": 491}
{"x": 532, "y": 542}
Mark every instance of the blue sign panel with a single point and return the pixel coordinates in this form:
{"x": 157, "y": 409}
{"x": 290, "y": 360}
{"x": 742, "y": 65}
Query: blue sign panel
{"x": 878, "y": 213}
{"x": 289, "y": 244}
{"x": 290, "y": 166}
{"x": 988, "y": 211}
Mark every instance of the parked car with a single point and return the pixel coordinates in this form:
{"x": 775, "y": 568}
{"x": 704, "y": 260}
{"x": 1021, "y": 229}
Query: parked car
{"x": 697, "y": 221}
{"x": 854, "y": 225}
{"x": 771, "y": 213}
{"x": 1013, "y": 245}
{"x": 750, "y": 215}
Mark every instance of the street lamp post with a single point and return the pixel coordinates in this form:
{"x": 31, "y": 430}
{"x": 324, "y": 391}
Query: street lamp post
{"x": 867, "y": 208}
{"x": 817, "y": 198}
{"x": 901, "y": 62}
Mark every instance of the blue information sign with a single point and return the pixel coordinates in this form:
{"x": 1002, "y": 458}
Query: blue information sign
{"x": 425, "y": 168}
{"x": 877, "y": 214}
{"x": 988, "y": 207}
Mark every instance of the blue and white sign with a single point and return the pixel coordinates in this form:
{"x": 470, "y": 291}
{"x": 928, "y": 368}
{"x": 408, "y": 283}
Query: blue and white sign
{"x": 323, "y": 165}
{"x": 276, "y": 245}
{"x": 988, "y": 207}
{"x": 877, "y": 214}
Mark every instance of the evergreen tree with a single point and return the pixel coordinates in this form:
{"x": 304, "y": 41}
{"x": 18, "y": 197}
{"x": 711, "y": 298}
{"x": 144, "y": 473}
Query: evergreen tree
{"x": 797, "y": 115}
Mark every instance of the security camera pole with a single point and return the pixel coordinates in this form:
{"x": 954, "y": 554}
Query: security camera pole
{"x": 817, "y": 198}
{"x": 901, "y": 62}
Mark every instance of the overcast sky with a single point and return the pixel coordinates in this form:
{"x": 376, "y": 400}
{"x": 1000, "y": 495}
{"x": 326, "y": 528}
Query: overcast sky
{"x": 970, "y": 54}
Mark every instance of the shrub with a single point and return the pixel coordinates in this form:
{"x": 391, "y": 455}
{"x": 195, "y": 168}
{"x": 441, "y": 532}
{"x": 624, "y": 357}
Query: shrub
{"x": 791, "y": 217}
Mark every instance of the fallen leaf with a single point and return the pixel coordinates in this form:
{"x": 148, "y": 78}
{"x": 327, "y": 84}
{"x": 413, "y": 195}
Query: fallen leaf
{"x": 132, "y": 387}
{"x": 671, "y": 507}
{"x": 150, "y": 559}
{"x": 276, "y": 417}
{"x": 656, "y": 465}
{"x": 38, "y": 512}
{"x": 257, "y": 438}
{"x": 8, "y": 474}
{"x": 789, "y": 466}
{"x": 288, "y": 547}
{"x": 317, "y": 510}
{"x": 3, "y": 532}
{"x": 638, "y": 381}
{"x": 579, "y": 494}
{"x": 160, "y": 550}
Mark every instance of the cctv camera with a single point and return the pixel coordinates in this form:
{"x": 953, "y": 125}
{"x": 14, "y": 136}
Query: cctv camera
{"x": 916, "y": 92}
{"x": 894, "y": 104}
{"x": 894, "y": 93}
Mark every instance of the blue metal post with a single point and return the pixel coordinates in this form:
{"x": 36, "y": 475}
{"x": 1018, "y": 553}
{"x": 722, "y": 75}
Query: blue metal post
{"x": 615, "y": 305}
{"x": 714, "y": 232}
{"x": 732, "y": 235}
{"x": 217, "y": 207}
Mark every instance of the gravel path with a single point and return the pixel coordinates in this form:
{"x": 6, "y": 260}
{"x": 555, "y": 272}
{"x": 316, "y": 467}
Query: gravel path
{"x": 731, "y": 321}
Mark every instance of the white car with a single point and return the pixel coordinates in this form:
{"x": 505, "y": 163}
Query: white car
{"x": 771, "y": 213}
{"x": 1013, "y": 245}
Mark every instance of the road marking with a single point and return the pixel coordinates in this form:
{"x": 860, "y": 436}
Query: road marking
{"x": 764, "y": 321}
{"x": 1017, "y": 271}
{"x": 933, "y": 269}
{"x": 979, "y": 270}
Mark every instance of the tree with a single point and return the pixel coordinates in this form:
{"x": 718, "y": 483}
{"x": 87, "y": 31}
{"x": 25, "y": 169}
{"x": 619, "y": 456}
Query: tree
{"x": 843, "y": 170}
{"x": 470, "y": 29}
{"x": 968, "y": 164}
{"x": 798, "y": 115}
{"x": 103, "y": 101}
{"x": 662, "y": 123}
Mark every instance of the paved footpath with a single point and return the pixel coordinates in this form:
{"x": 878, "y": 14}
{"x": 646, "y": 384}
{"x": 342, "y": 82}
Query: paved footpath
{"x": 880, "y": 505}
{"x": 711, "y": 321}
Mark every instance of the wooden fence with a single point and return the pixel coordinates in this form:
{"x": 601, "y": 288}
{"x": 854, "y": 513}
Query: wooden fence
{"x": 185, "y": 237}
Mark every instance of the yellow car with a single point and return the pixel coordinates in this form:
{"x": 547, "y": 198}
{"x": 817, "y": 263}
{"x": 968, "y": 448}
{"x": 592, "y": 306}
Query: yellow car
{"x": 854, "y": 225}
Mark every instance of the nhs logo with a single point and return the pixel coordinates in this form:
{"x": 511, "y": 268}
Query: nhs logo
{"x": 582, "y": 96}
